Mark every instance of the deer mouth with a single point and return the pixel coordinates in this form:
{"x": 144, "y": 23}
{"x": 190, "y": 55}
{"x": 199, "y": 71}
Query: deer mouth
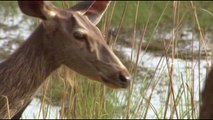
{"x": 115, "y": 83}
{"x": 114, "y": 77}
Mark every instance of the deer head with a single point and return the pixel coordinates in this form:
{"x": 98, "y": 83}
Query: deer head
{"x": 74, "y": 40}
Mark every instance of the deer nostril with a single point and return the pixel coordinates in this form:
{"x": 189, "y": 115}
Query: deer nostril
{"x": 124, "y": 78}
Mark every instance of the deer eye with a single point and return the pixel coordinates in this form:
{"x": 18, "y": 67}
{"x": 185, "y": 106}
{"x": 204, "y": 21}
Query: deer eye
{"x": 81, "y": 36}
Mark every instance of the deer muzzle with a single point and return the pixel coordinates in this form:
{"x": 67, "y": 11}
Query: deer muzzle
{"x": 118, "y": 80}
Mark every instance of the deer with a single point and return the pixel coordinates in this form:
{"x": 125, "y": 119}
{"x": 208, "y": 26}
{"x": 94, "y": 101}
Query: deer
{"x": 67, "y": 37}
{"x": 206, "y": 104}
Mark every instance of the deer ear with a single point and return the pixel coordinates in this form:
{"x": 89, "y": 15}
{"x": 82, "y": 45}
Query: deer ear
{"x": 40, "y": 9}
{"x": 94, "y": 10}
{"x": 82, "y": 6}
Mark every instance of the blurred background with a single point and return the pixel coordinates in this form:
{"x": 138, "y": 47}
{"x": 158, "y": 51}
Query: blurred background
{"x": 166, "y": 46}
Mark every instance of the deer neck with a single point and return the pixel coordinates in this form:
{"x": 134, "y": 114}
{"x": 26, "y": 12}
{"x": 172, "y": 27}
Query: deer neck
{"x": 25, "y": 71}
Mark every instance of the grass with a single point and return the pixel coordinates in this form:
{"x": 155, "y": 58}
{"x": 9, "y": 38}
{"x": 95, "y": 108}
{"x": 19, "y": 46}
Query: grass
{"x": 168, "y": 93}
{"x": 94, "y": 100}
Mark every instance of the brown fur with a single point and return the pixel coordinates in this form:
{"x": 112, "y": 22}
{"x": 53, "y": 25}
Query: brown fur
{"x": 54, "y": 43}
{"x": 65, "y": 37}
{"x": 207, "y": 98}
{"x": 24, "y": 72}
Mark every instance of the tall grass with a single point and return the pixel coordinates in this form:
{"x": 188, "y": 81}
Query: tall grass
{"x": 80, "y": 97}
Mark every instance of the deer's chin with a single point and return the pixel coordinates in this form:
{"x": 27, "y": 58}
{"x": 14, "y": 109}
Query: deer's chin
{"x": 113, "y": 84}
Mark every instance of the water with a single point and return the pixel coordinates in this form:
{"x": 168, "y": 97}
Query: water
{"x": 181, "y": 77}
{"x": 33, "y": 110}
